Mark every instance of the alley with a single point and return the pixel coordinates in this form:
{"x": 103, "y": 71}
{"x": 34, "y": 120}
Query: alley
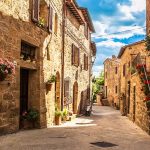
{"x": 105, "y": 129}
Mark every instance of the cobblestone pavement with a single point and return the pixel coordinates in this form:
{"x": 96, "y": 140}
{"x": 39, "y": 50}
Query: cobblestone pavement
{"x": 106, "y": 129}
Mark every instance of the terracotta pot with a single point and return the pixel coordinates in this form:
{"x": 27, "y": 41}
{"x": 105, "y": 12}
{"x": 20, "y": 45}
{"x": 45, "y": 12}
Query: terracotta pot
{"x": 57, "y": 120}
{"x": 49, "y": 86}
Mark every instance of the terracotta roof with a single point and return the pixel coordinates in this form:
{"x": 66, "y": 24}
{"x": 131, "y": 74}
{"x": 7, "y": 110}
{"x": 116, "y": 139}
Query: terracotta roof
{"x": 88, "y": 18}
{"x": 75, "y": 9}
{"x": 71, "y": 4}
{"x": 122, "y": 50}
{"x": 93, "y": 47}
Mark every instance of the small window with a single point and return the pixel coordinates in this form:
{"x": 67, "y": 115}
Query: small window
{"x": 56, "y": 23}
{"x": 27, "y": 51}
{"x": 85, "y": 62}
{"x": 86, "y": 31}
{"x": 116, "y": 89}
{"x": 124, "y": 70}
{"x": 50, "y": 19}
{"x": 116, "y": 70}
{"x": 75, "y": 55}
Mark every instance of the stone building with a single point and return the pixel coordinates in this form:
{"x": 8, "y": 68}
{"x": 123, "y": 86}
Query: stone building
{"x": 112, "y": 80}
{"x": 132, "y": 95}
{"x": 42, "y": 38}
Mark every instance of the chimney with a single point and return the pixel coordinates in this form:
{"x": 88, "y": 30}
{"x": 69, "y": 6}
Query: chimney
{"x": 148, "y": 17}
{"x": 113, "y": 56}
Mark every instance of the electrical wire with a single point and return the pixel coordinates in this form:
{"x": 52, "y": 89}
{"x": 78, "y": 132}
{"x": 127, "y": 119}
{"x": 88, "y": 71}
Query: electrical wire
{"x": 121, "y": 31}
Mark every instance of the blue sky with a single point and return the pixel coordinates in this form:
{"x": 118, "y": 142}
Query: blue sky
{"x": 111, "y": 16}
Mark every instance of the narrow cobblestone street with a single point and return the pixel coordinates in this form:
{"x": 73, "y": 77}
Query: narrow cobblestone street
{"x": 105, "y": 129}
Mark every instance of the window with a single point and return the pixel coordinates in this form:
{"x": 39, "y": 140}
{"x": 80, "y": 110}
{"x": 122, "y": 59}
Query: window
{"x": 85, "y": 62}
{"x": 27, "y": 51}
{"x": 50, "y": 19}
{"x": 75, "y": 55}
{"x": 42, "y": 15}
{"x": 116, "y": 89}
{"x": 66, "y": 88}
{"x": 56, "y": 23}
{"x": 86, "y": 32}
{"x": 124, "y": 70}
{"x": 116, "y": 70}
{"x": 35, "y": 10}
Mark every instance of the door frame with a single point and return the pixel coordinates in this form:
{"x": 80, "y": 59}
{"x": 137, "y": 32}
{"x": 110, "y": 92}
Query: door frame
{"x": 75, "y": 97}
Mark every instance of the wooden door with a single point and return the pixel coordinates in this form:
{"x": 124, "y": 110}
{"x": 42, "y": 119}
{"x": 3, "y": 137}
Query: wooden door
{"x": 24, "y": 75}
{"x": 57, "y": 91}
{"x": 75, "y": 97}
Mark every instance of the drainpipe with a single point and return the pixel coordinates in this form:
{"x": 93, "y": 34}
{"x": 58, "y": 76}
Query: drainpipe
{"x": 62, "y": 53}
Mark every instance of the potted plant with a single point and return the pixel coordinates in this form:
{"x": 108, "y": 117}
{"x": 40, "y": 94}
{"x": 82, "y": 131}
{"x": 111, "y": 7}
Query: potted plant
{"x": 6, "y": 68}
{"x": 49, "y": 82}
{"x": 29, "y": 118}
{"x": 58, "y": 115}
{"x": 65, "y": 115}
{"x": 41, "y": 22}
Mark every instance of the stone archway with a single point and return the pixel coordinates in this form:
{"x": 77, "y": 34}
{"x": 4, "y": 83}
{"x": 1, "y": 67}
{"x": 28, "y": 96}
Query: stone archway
{"x": 75, "y": 97}
{"x": 57, "y": 91}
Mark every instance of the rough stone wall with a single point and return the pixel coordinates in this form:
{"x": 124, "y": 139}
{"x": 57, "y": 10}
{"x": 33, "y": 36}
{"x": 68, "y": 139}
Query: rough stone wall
{"x": 141, "y": 118}
{"x": 112, "y": 80}
{"x": 17, "y": 23}
{"x": 148, "y": 17}
{"x": 76, "y": 36}
{"x": 53, "y": 64}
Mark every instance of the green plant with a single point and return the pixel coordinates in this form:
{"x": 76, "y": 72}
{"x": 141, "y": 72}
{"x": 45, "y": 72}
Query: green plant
{"x": 132, "y": 70}
{"x": 32, "y": 114}
{"x": 58, "y": 113}
{"x": 41, "y": 22}
{"x": 65, "y": 113}
{"x": 52, "y": 79}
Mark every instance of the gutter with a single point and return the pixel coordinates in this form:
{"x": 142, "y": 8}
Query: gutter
{"x": 62, "y": 54}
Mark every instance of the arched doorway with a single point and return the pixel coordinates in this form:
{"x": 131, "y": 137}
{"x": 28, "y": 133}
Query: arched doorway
{"x": 57, "y": 91}
{"x": 75, "y": 97}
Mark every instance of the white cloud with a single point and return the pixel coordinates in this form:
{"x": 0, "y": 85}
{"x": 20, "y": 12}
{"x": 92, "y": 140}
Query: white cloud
{"x": 136, "y": 6}
{"x": 110, "y": 43}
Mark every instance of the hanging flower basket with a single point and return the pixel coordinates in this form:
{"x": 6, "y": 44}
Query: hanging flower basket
{"x": 6, "y": 68}
{"x": 139, "y": 66}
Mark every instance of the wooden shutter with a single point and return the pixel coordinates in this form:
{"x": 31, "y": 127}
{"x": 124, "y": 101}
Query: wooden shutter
{"x": 35, "y": 10}
{"x": 87, "y": 63}
{"x": 84, "y": 62}
{"x": 66, "y": 89}
{"x": 78, "y": 56}
{"x": 73, "y": 53}
{"x": 50, "y": 20}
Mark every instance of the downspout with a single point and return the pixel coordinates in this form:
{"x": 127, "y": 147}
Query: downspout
{"x": 62, "y": 53}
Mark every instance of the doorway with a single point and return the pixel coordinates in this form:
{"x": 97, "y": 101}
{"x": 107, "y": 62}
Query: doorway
{"x": 57, "y": 91}
{"x": 128, "y": 104}
{"x": 24, "y": 79}
{"x": 134, "y": 102}
{"x": 75, "y": 97}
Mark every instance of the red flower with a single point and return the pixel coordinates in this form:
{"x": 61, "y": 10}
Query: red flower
{"x": 147, "y": 81}
{"x": 147, "y": 99}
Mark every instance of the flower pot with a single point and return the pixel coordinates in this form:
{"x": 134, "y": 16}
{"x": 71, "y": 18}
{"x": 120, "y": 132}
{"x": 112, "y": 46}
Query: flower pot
{"x": 48, "y": 86}
{"x": 57, "y": 120}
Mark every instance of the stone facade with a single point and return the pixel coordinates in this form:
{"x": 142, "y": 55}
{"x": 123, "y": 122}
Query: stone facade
{"x": 17, "y": 29}
{"x": 131, "y": 95}
{"x": 148, "y": 16}
{"x": 112, "y": 80}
